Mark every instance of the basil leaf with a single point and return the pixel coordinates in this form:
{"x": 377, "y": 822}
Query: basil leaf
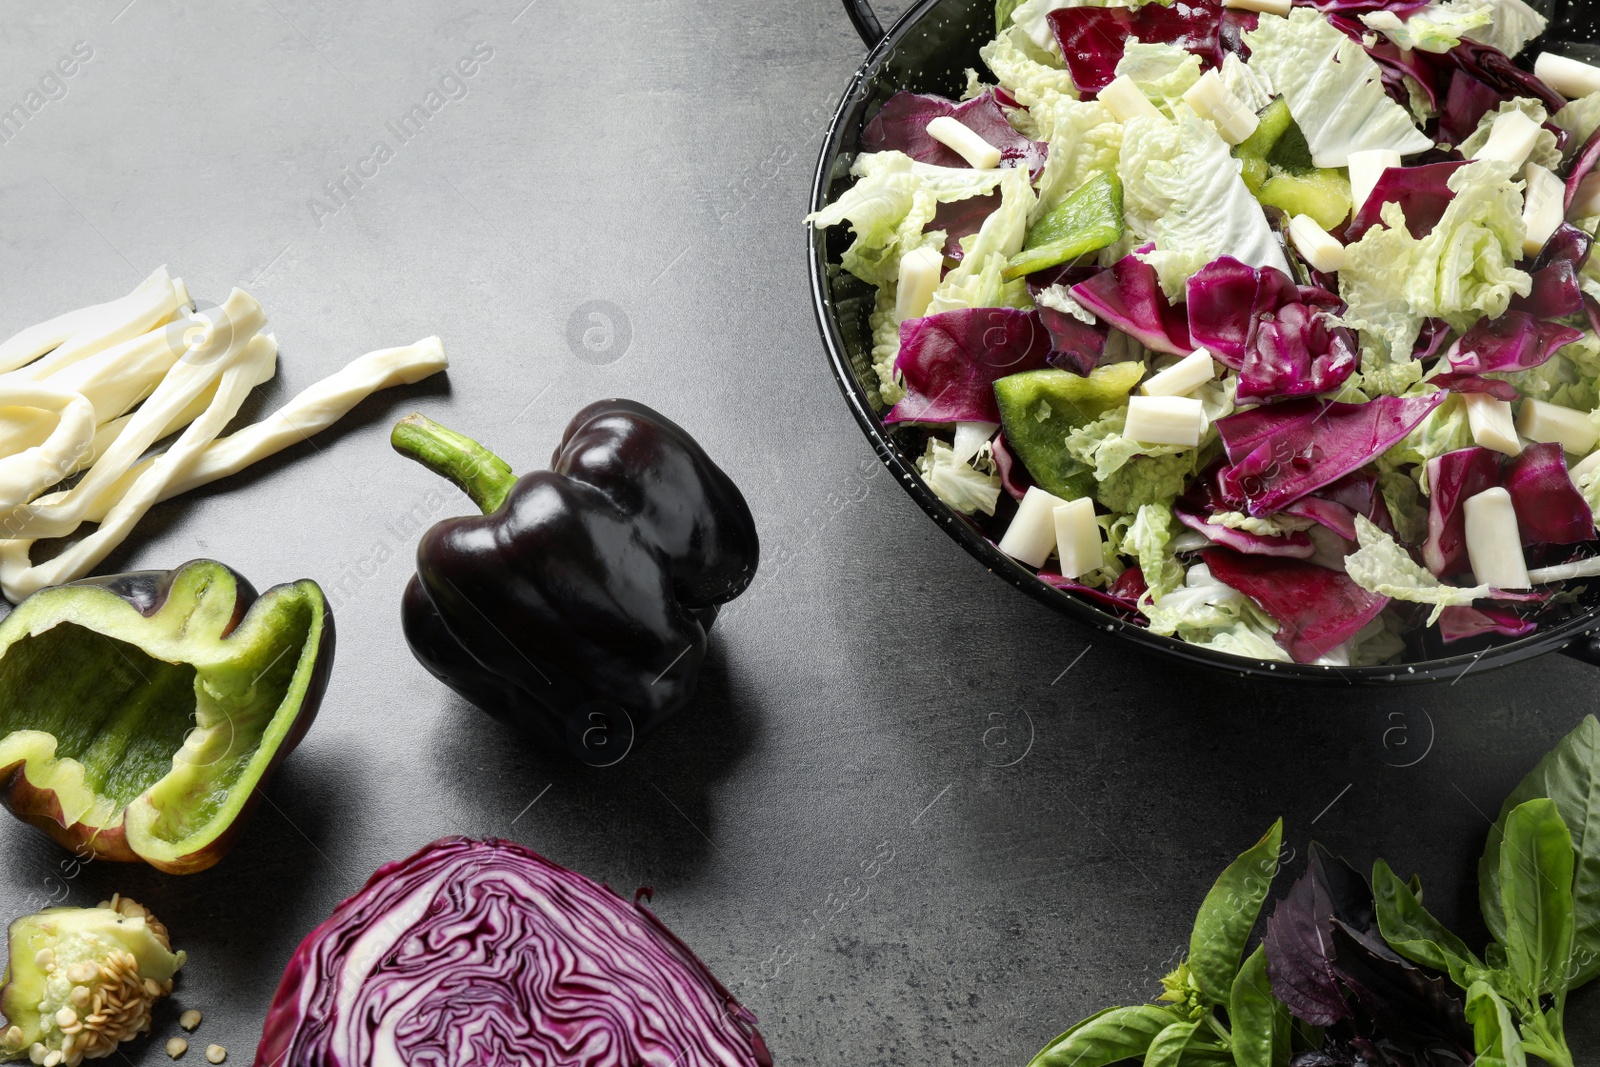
{"x": 1536, "y": 867}
{"x": 1112, "y": 1035}
{"x": 1493, "y": 1028}
{"x": 1261, "y": 1025}
{"x": 1170, "y": 1044}
{"x": 1414, "y": 933}
{"x": 1229, "y": 913}
{"x": 1570, "y": 776}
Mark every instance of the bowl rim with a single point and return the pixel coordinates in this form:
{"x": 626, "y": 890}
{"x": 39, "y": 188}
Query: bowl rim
{"x": 956, "y": 526}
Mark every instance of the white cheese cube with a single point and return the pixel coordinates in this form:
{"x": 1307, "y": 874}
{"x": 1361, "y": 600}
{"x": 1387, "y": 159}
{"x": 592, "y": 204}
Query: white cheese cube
{"x": 1365, "y": 170}
{"x": 1586, "y": 203}
{"x": 919, "y": 277}
{"x": 1267, "y": 7}
{"x": 1570, "y": 78}
{"x": 1494, "y": 541}
{"x": 1491, "y": 423}
{"x": 1183, "y": 377}
{"x": 1077, "y": 538}
{"x": 1127, "y": 101}
{"x": 1212, "y": 99}
{"x": 1584, "y": 469}
{"x": 1032, "y": 534}
{"x": 1166, "y": 420}
{"x": 963, "y": 142}
{"x": 1321, "y": 248}
{"x": 1572, "y": 430}
{"x": 1543, "y": 207}
{"x": 1511, "y": 139}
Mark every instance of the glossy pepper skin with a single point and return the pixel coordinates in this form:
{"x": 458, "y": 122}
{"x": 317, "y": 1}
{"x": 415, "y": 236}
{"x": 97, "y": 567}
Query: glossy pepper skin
{"x": 576, "y": 607}
{"x": 140, "y": 714}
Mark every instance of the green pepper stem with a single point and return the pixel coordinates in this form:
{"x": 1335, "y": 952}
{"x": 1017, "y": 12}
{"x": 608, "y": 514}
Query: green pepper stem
{"x": 479, "y": 473}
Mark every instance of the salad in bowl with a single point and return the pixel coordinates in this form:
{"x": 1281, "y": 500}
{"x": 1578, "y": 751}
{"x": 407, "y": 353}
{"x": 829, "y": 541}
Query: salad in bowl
{"x": 1270, "y": 327}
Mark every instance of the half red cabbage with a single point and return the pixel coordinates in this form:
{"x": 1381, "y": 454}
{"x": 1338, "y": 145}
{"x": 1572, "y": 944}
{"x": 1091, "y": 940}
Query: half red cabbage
{"x": 1515, "y": 341}
{"x": 485, "y": 952}
{"x": 1093, "y": 39}
{"x": 901, "y": 125}
{"x": 1129, "y": 297}
{"x": 1298, "y": 447}
{"x": 1317, "y": 609}
{"x": 1272, "y": 331}
{"x": 950, "y": 362}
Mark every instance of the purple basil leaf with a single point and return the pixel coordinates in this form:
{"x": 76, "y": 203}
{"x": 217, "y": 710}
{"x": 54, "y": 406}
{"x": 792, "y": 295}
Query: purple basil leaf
{"x": 901, "y": 125}
{"x": 1129, "y": 297}
{"x": 1500, "y": 73}
{"x": 1460, "y": 623}
{"x": 1294, "y": 546}
{"x": 1515, "y": 341}
{"x": 951, "y": 361}
{"x": 1305, "y": 452}
{"x": 1317, "y": 609}
{"x": 1093, "y": 39}
{"x": 1299, "y": 939}
{"x": 1453, "y": 478}
{"x": 1270, "y": 330}
{"x": 962, "y": 218}
{"x": 1550, "y": 510}
{"x": 1422, "y": 192}
{"x": 1397, "y": 1001}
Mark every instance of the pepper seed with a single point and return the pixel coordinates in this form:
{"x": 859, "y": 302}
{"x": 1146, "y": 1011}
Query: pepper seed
{"x": 177, "y": 1047}
{"x": 216, "y": 1053}
{"x": 189, "y": 1020}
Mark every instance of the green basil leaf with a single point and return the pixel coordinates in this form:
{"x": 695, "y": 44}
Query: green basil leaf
{"x": 1261, "y": 1025}
{"x": 1536, "y": 869}
{"x": 1412, "y": 931}
{"x": 1112, "y": 1035}
{"x": 1493, "y": 1028}
{"x": 1170, "y": 1044}
{"x": 1570, "y": 776}
{"x": 1222, "y": 928}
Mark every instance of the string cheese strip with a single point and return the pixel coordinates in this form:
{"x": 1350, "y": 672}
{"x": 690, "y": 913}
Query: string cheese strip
{"x": 19, "y": 578}
{"x": 88, "y": 330}
{"x": 26, "y": 474}
{"x": 313, "y": 411}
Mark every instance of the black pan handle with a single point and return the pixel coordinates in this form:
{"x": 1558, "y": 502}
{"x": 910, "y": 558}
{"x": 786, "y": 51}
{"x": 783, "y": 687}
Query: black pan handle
{"x": 1586, "y": 649}
{"x": 865, "y": 21}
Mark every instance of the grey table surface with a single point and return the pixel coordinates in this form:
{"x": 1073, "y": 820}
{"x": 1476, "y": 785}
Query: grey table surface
{"x": 915, "y": 818}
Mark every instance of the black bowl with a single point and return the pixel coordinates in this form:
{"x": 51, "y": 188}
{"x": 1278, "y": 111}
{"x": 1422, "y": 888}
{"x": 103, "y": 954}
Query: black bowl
{"x": 928, "y": 51}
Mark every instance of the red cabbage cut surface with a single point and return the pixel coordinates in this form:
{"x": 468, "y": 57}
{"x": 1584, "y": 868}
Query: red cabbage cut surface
{"x": 486, "y": 953}
{"x": 1423, "y": 193}
{"x": 1274, "y": 332}
{"x": 1302, "y": 446}
{"x": 1093, "y": 39}
{"x": 1460, "y": 623}
{"x": 1453, "y": 478}
{"x": 1129, "y": 297}
{"x": 1515, "y": 341}
{"x": 1550, "y": 510}
{"x": 901, "y": 125}
{"x": 1317, "y": 609}
{"x": 951, "y": 361}
{"x": 1293, "y": 546}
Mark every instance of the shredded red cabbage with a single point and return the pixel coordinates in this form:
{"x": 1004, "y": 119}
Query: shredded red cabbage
{"x": 1317, "y": 609}
{"x": 486, "y": 953}
{"x": 1129, "y": 296}
{"x": 950, "y": 362}
{"x": 902, "y": 126}
{"x": 1093, "y": 39}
